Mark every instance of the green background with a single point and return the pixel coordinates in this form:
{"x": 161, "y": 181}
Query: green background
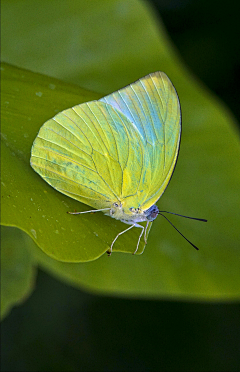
{"x": 76, "y": 330}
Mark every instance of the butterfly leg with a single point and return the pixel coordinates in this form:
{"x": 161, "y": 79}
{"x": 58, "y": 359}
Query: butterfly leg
{"x": 109, "y": 252}
{"x": 142, "y": 227}
{"x": 132, "y": 225}
{"x": 145, "y": 234}
{"x": 92, "y": 211}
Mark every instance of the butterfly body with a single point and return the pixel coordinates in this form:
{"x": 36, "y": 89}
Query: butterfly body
{"x": 134, "y": 215}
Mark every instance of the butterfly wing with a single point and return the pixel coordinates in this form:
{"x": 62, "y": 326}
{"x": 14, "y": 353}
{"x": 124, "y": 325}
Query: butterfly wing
{"x": 89, "y": 152}
{"x": 152, "y": 106}
{"x": 123, "y": 146}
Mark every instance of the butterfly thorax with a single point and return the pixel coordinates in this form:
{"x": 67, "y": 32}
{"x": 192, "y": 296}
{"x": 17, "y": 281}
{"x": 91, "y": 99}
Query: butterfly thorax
{"x": 120, "y": 211}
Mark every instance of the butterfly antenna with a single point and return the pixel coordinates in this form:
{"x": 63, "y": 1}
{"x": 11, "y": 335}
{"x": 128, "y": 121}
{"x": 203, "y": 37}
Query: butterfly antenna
{"x": 192, "y": 218}
{"x": 92, "y": 211}
{"x": 194, "y": 246}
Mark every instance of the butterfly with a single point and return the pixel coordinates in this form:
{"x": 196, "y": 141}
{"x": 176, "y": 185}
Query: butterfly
{"x": 116, "y": 154}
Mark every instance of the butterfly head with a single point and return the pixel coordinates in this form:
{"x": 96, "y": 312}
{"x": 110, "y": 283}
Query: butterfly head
{"x": 151, "y": 213}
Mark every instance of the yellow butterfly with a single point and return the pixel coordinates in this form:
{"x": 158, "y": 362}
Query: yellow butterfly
{"x": 116, "y": 154}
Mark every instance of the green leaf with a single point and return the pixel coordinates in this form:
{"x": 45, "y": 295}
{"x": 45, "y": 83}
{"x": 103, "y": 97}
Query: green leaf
{"x": 126, "y": 46}
{"x": 17, "y": 269}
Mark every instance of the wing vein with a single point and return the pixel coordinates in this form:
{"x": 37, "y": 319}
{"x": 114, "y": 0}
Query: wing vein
{"x": 107, "y": 162}
{"x": 75, "y": 125}
{"x": 88, "y": 125}
{"x": 54, "y": 143}
{"x": 67, "y": 178}
{"x": 62, "y": 156}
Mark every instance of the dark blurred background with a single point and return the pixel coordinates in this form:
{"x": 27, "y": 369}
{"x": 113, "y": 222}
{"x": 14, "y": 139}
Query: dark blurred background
{"x": 206, "y": 34}
{"x": 60, "y": 328}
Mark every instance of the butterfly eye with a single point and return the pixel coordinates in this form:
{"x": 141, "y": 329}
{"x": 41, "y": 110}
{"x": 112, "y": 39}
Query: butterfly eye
{"x": 115, "y": 205}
